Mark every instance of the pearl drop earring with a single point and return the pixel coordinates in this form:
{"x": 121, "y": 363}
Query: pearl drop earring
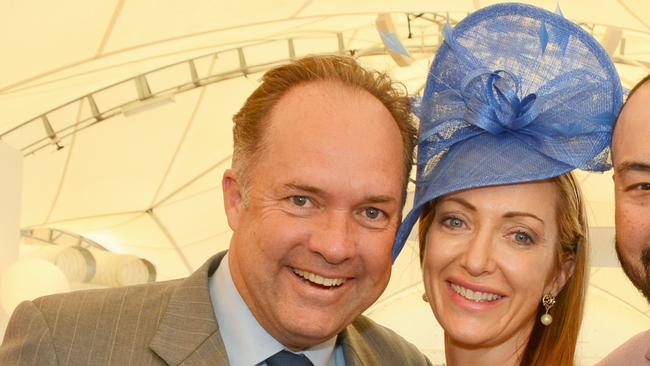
{"x": 548, "y": 301}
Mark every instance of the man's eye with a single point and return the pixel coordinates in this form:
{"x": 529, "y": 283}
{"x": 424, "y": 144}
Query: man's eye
{"x": 300, "y": 201}
{"x": 372, "y": 217}
{"x": 642, "y": 188}
{"x": 372, "y": 213}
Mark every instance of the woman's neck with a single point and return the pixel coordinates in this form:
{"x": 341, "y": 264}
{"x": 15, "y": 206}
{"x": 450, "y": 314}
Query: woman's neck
{"x": 504, "y": 354}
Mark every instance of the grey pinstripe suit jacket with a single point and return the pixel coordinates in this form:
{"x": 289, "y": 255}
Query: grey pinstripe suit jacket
{"x": 165, "y": 323}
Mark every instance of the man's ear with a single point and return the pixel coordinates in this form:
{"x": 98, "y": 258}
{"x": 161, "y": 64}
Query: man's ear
{"x": 233, "y": 198}
{"x": 562, "y": 277}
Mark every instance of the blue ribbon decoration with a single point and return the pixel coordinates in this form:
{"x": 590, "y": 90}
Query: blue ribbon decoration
{"x": 496, "y": 107}
{"x": 489, "y": 102}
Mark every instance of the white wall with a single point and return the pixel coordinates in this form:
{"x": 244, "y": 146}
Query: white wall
{"x": 10, "y": 200}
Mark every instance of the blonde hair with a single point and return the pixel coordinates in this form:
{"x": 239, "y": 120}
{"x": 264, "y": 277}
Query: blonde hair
{"x": 554, "y": 344}
{"x": 250, "y": 121}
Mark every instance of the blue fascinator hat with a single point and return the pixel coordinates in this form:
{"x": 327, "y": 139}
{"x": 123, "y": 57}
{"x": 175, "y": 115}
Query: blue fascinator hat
{"x": 515, "y": 94}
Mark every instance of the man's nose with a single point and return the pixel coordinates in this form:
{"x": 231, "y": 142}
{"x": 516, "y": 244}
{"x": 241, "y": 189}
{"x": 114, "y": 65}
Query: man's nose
{"x": 335, "y": 239}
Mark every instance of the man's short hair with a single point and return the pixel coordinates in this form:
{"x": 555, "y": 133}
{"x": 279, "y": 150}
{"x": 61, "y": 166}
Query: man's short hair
{"x": 250, "y": 121}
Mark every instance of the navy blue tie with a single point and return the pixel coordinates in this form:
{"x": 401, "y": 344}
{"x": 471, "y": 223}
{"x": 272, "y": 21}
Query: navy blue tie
{"x": 286, "y": 358}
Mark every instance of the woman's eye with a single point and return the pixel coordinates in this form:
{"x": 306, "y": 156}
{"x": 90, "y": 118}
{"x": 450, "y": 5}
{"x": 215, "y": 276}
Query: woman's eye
{"x": 453, "y": 222}
{"x": 523, "y": 237}
{"x": 300, "y": 201}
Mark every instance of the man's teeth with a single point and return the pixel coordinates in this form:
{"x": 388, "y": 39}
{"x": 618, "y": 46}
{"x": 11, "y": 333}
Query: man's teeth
{"x": 474, "y": 295}
{"x": 312, "y": 277}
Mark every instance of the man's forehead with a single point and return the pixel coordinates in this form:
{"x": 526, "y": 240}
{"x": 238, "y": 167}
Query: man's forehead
{"x": 312, "y": 91}
{"x": 634, "y": 117}
{"x": 321, "y": 129}
{"x": 320, "y": 108}
{"x": 641, "y": 92}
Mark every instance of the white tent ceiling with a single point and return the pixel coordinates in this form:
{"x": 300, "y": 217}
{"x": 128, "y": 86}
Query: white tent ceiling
{"x": 141, "y": 159}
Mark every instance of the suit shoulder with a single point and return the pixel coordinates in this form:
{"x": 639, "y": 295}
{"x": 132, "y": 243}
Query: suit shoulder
{"x": 391, "y": 347}
{"x": 91, "y": 311}
{"x": 94, "y": 326}
{"x": 150, "y": 292}
{"x": 632, "y": 352}
{"x": 27, "y": 340}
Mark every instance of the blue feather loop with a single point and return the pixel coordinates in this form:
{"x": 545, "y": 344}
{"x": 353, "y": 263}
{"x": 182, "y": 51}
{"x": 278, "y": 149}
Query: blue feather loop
{"x": 494, "y": 105}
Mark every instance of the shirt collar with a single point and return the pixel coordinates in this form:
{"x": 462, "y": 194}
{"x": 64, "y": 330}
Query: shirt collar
{"x": 246, "y": 341}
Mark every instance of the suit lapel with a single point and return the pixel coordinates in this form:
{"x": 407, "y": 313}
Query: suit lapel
{"x": 351, "y": 358}
{"x": 188, "y": 332}
{"x": 356, "y": 350}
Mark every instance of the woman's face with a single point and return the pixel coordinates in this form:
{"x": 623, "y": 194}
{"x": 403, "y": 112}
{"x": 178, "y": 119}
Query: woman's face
{"x": 490, "y": 255}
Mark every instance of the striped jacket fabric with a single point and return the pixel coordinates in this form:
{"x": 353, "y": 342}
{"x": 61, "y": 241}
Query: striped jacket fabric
{"x": 164, "y": 323}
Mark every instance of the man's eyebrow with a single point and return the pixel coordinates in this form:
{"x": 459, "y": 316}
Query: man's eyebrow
{"x": 380, "y": 199}
{"x": 317, "y": 191}
{"x": 635, "y": 166}
{"x": 305, "y": 188}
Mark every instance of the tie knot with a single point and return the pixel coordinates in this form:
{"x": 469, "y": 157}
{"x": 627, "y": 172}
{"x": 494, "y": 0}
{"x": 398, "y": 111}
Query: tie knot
{"x": 286, "y": 358}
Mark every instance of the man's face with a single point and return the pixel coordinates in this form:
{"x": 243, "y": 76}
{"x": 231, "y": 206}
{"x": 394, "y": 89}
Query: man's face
{"x": 313, "y": 232}
{"x": 631, "y": 152}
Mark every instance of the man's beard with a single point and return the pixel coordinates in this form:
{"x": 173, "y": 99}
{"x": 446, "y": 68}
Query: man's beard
{"x": 641, "y": 280}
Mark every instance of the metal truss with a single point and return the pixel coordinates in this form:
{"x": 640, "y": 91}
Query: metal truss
{"x": 53, "y": 132}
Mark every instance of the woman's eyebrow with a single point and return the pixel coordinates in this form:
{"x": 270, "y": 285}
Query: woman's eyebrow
{"x": 519, "y": 213}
